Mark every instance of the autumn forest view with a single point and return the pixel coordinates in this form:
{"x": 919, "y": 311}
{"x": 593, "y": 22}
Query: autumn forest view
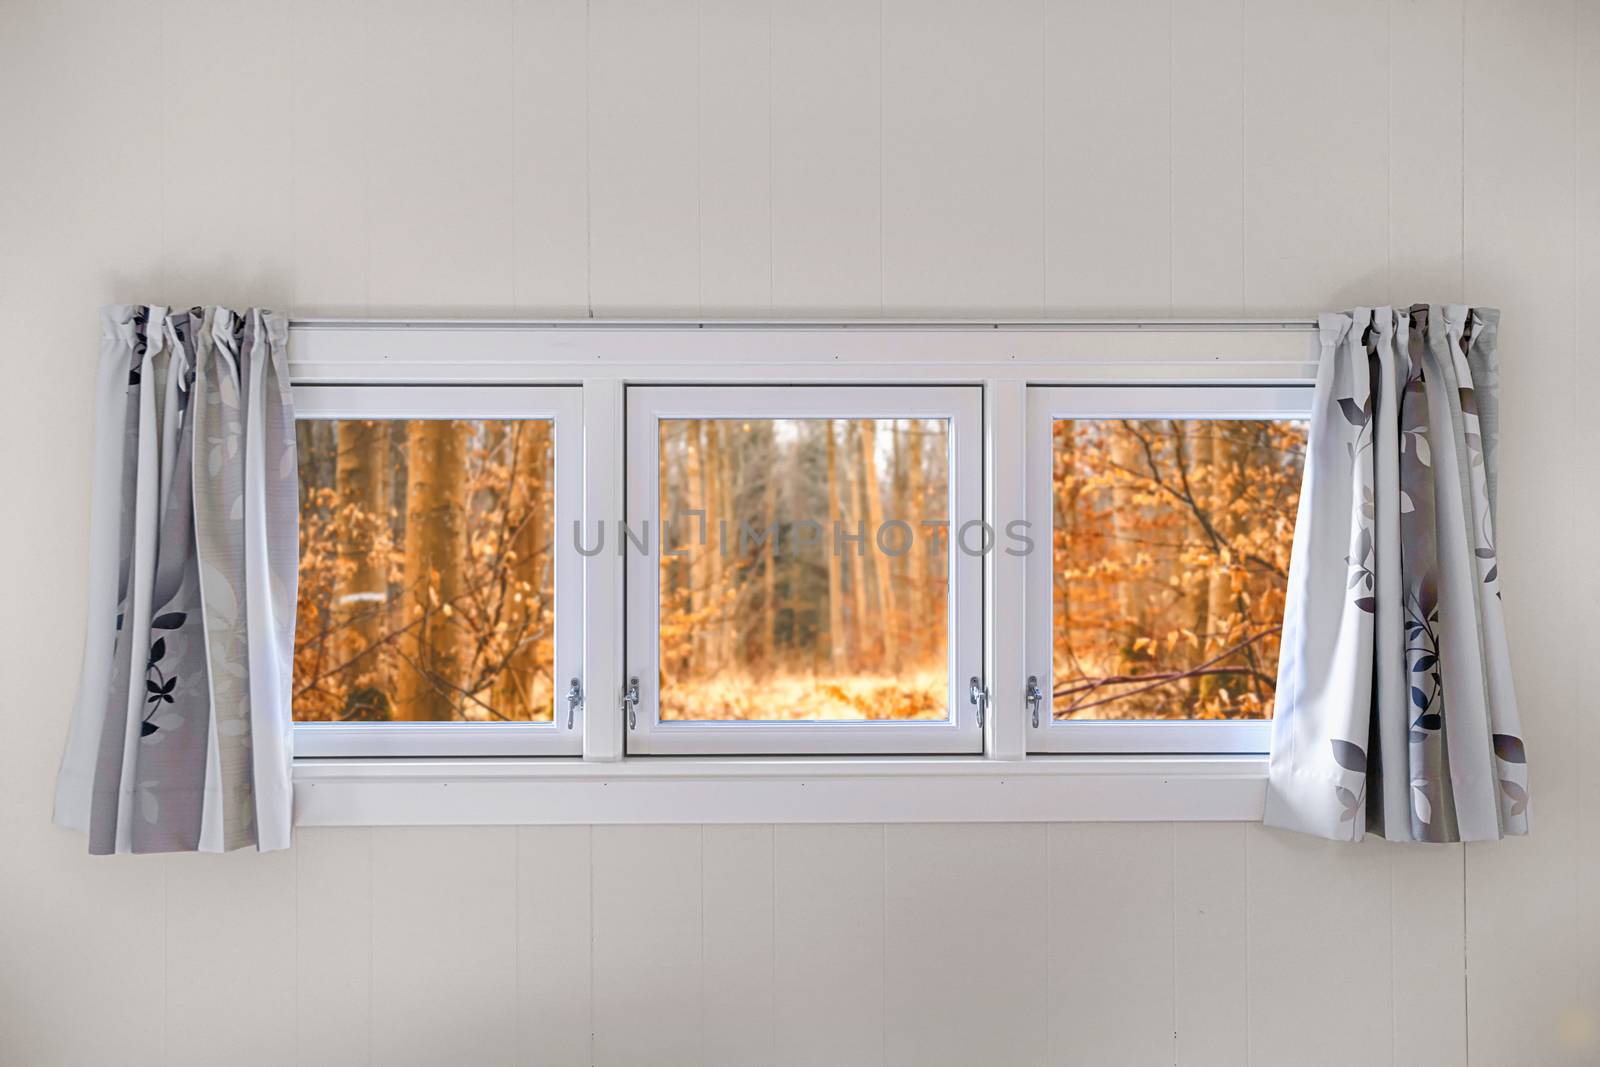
{"x": 803, "y": 563}
{"x": 840, "y": 611}
{"x": 427, "y": 590}
{"x": 1170, "y": 549}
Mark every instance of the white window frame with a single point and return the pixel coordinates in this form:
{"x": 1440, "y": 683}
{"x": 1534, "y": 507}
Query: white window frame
{"x": 1199, "y": 401}
{"x": 647, "y": 406}
{"x": 563, "y": 406}
{"x": 607, "y": 786}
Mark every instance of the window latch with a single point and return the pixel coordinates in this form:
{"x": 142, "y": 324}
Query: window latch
{"x": 574, "y": 701}
{"x": 630, "y": 702}
{"x": 1035, "y": 698}
{"x": 978, "y": 694}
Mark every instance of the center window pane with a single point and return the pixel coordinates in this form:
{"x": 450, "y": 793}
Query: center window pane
{"x": 427, "y": 590}
{"x": 1171, "y": 557}
{"x": 804, "y": 569}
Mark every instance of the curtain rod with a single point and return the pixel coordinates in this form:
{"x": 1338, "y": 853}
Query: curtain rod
{"x": 1041, "y": 325}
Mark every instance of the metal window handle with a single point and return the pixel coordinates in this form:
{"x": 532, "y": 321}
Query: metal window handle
{"x": 574, "y": 701}
{"x": 630, "y": 702}
{"x": 1035, "y": 698}
{"x": 978, "y": 694}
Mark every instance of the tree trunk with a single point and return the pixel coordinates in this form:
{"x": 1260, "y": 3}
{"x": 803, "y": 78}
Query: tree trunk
{"x": 361, "y": 592}
{"x": 863, "y": 653}
{"x": 725, "y": 543}
{"x": 1226, "y": 603}
{"x": 317, "y": 445}
{"x": 920, "y": 586}
{"x": 690, "y": 565}
{"x": 524, "y": 688}
{"x": 1064, "y": 465}
{"x": 867, "y": 438}
{"x": 1212, "y": 492}
{"x": 711, "y": 560}
{"x": 435, "y": 566}
{"x": 769, "y": 580}
{"x": 836, "y": 649}
{"x": 1131, "y": 623}
{"x": 900, "y": 573}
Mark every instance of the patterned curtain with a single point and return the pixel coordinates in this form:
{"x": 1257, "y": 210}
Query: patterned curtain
{"x": 181, "y": 736}
{"x": 1395, "y": 709}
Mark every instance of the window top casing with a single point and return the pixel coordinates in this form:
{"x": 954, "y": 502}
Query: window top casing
{"x": 371, "y": 352}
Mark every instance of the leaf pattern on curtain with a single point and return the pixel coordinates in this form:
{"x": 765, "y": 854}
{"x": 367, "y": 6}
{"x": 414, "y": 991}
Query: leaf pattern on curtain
{"x": 1358, "y": 413}
{"x": 1396, "y": 712}
{"x": 1351, "y": 757}
{"x": 181, "y": 736}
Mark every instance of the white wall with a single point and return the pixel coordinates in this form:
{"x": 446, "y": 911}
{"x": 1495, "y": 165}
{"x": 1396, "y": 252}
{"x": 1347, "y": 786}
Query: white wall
{"x": 828, "y": 157}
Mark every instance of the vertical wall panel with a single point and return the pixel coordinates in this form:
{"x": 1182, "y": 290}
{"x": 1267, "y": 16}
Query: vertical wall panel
{"x": 328, "y": 181}
{"x": 550, "y": 135}
{"x": 1427, "y": 909}
{"x": 829, "y": 942}
{"x": 1207, "y": 172}
{"x": 1316, "y": 180}
{"x": 739, "y": 1005}
{"x": 1110, "y": 937}
{"x": 962, "y": 157}
{"x": 78, "y": 933}
{"x": 444, "y": 958}
{"x": 1424, "y": 166}
{"x": 826, "y": 191}
{"x": 1108, "y": 157}
{"x": 230, "y": 983}
{"x": 644, "y": 158}
{"x": 1522, "y": 908}
{"x": 965, "y": 965}
{"x": 441, "y": 231}
{"x": 333, "y": 946}
{"x": 648, "y": 978}
{"x": 1210, "y": 959}
{"x": 71, "y": 81}
{"x": 734, "y": 113}
{"x": 229, "y": 192}
{"x": 1585, "y": 1038}
{"x": 1321, "y": 954}
{"x": 554, "y": 982}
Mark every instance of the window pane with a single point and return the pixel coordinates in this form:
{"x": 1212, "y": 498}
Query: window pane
{"x": 426, "y": 581}
{"x": 1171, "y": 556}
{"x": 767, "y": 615}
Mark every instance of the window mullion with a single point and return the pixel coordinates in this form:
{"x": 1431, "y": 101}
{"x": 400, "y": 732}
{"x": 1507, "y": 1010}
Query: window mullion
{"x": 1005, "y": 568}
{"x": 602, "y": 572}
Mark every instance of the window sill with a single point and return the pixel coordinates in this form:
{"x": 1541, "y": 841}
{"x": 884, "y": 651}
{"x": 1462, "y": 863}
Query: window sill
{"x": 658, "y": 789}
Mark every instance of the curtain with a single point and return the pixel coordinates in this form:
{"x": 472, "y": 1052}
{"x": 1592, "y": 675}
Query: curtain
{"x": 181, "y": 736}
{"x": 1395, "y": 711}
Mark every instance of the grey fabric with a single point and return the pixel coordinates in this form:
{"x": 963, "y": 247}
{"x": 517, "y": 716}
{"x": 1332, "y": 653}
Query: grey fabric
{"x": 181, "y": 738}
{"x": 1395, "y": 710}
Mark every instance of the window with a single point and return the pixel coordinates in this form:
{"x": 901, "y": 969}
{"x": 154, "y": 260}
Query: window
{"x": 439, "y": 607}
{"x": 1168, "y": 515}
{"x": 803, "y": 569}
{"x": 837, "y": 571}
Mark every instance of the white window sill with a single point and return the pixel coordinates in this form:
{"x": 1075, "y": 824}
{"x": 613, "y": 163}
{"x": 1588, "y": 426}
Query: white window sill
{"x": 658, "y": 789}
